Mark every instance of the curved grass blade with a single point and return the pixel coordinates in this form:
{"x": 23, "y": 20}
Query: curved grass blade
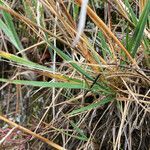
{"x": 9, "y": 22}
{"x": 24, "y": 62}
{"x": 9, "y": 34}
{"x": 46, "y": 71}
{"x": 8, "y": 28}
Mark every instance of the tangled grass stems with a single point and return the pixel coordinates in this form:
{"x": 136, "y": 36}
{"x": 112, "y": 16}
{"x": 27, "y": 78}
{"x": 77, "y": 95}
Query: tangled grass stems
{"x": 91, "y": 96}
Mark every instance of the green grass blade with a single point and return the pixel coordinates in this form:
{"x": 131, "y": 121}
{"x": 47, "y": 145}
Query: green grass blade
{"x": 73, "y": 63}
{"x": 78, "y": 130}
{"x": 105, "y": 48}
{"x": 127, "y": 38}
{"x": 147, "y": 51}
{"x": 91, "y": 106}
{"x": 139, "y": 30}
{"x": 70, "y": 135}
{"x": 32, "y": 65}
{"x": 24, "y": 62}
{"x": 28, "y": 11}
{"x": 9, "y": 22}
{"x": 78, "y": 68}
{"x": 75, "y": 11}
{"x": 9, "y": 34}
{"x": 9, "y": 29}
{"x": 101, "y": 87}
{"x": 66, "y": 85}
{"x": 131, "y": 13}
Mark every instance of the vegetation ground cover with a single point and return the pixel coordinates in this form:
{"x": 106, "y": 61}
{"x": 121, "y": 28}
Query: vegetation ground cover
{"x": 86, "y": 95}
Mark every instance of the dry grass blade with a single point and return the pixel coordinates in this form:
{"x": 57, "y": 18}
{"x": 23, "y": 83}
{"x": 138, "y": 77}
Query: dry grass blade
{"x": 142, "y": 4}
{"x": 121, "y": 8}
{"x": 45, "y": 140}
{"x": 4, "y": 138}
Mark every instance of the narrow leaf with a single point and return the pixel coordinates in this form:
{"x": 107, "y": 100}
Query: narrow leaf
{"x": 91, "y": 106}
{"x": 32, "y": 65}
{"x": 78, "y": 130}
{"x": 139, "y": 30}
{"x": 131, "y": 13}
{"x": 66, "y": 85}
{"x": 68, "y": 59}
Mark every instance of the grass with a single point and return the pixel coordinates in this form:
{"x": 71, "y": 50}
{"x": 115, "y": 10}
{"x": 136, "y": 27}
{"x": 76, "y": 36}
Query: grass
{"x": 70, "y": 90}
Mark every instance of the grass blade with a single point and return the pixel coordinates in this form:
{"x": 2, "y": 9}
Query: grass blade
{"x": 46, "y": 71}
{"x": 10, "y": 25}
{"x": 139, "y": 30}
{"x": 69, "y": 59}
{"x": 9, "y": 29}
{"x": 24, "y": 62}
{"x": 66, "y": 85}
{"x": 131, "y": 13}
{"x": 78, "y": 130}
{"x": 78, "y": 68}
{"x": 92, "y": 106}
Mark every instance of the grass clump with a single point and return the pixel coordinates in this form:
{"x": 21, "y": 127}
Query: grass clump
{"x": 92, "y": 93}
